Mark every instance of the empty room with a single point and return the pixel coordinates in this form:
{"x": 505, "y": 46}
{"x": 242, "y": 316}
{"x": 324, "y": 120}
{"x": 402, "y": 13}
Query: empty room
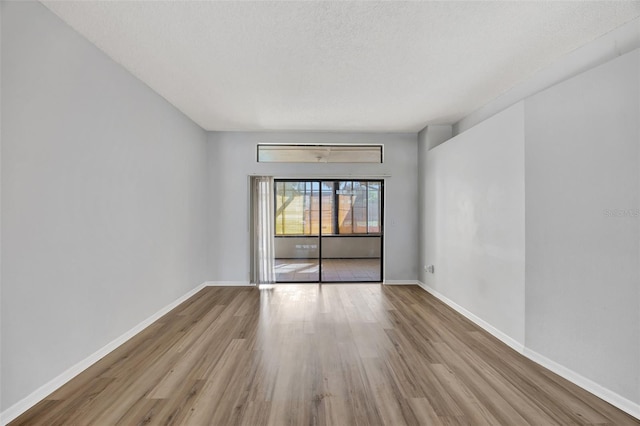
{"x": 319, "y": 212}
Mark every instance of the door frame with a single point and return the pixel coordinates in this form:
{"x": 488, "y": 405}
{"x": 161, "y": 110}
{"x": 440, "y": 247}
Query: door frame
{"x": 381, "y": 235}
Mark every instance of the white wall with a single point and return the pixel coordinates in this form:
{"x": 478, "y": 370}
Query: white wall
{"x": 296, "y": 247}
{"x": 103, "y": 200}
{"x": 582, "y": 268}
{"x": 430, "y": 137}
{"x": 334, "y": 247}
{"x": 577, "y": 309}
{"x": 472, "y": 217}
{"x": 232, "y": 158}
{"x": 351, "y": 247}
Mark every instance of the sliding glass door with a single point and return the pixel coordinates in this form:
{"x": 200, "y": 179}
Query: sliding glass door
{"x": 329, "y": 230}
{"x": 351, "y": 249}
{"x": 297, "y": 231}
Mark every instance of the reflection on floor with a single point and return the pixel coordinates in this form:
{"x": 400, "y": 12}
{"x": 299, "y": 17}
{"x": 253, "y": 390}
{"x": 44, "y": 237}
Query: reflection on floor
{"x": 345, "y": 270}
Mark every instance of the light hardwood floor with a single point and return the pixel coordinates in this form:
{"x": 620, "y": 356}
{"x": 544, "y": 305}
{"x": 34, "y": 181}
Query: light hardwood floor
{"x": 361, "y": 354}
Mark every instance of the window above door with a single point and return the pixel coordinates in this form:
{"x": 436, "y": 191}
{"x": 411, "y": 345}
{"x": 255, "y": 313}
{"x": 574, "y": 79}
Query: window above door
{"x": 292, "y": 153}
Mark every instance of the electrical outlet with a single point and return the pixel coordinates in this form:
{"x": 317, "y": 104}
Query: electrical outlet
{"x": 430, "y": 268}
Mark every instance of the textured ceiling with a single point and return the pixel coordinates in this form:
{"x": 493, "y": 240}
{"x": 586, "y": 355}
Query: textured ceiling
{"x": 337, "y": 66}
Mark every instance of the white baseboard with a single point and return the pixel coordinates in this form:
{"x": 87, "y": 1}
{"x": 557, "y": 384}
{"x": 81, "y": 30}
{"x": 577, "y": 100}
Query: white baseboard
{"x": 400, "y": 282}
{"x": 506, "y": 339}
{"x": 45, "y": 390}
{"x": 229, "y": 284}
{"x": 601, "y": 392}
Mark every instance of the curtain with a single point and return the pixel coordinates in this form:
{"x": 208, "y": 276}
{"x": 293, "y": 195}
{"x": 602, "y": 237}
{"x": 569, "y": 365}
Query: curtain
{"x": 263, "y": 230}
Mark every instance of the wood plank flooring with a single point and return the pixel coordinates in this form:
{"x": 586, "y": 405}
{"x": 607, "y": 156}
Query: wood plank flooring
{"x": 358, "y": 354}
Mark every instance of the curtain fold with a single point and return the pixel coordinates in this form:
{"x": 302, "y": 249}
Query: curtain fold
{"x": 263, "y": 230}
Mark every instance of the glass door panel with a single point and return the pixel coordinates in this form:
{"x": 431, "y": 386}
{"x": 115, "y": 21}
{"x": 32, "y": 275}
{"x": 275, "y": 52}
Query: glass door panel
{"x": 297, "y": 230}
{"x": 351, "y": 249}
